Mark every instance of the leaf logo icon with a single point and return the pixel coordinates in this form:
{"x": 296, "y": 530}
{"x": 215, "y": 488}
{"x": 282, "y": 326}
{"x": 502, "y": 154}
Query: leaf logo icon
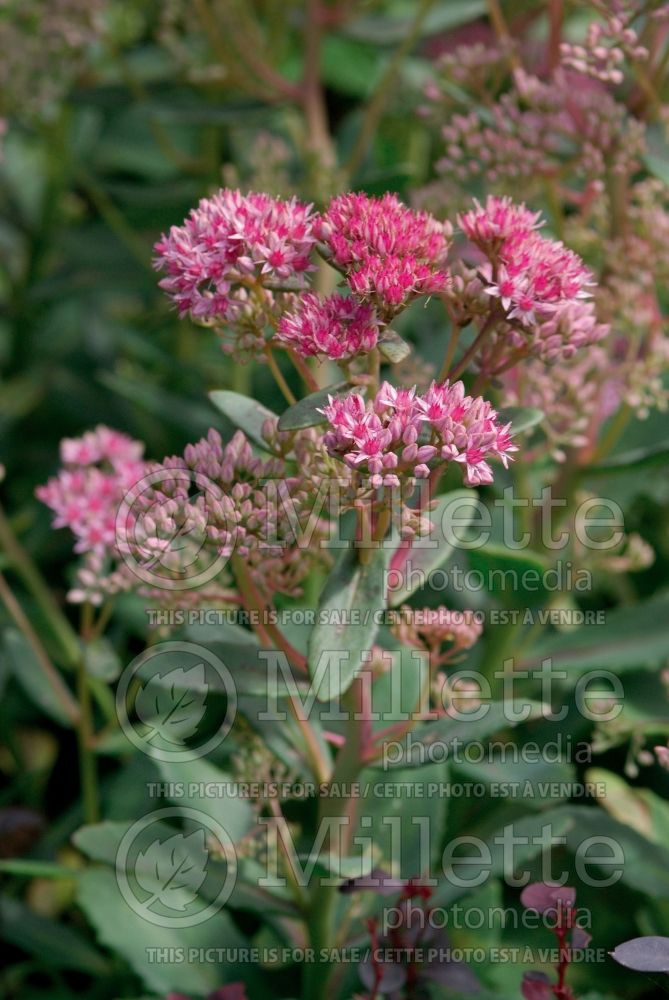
{"x": 172, "y": 704}
{"x": 173, "y": 870}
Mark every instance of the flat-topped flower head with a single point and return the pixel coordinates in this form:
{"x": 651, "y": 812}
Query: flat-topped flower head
{"x": 337, "y": 327}
{"x": 98, "y": 470}
{"x": 540, "y": 285}
{"x": 430, "y": 628}
{"x": 389, "y": 253}
{"x": 498, "y": 219}
{"x": 401, "y": 435}
{"x": 229, "y": 243}
{"x": 223, "y": 500}
{"x": 467, "y": 429}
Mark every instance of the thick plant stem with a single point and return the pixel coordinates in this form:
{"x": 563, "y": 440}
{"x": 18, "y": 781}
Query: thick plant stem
{"x": 87, "y": 765}
{"x": 271, "y": 635}
{"x": 88, "y": 772}
{"x": 475, "y": 346}
{"x": 323, "y": 898}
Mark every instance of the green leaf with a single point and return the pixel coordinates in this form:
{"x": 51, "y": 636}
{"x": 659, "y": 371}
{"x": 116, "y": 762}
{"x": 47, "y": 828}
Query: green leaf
{"x": 530, "y": 783}
{"x": 514, "y": 576}
{"x": 633, "y": 637}
{"x": 522, "y": 418}
{"x": 172, "y": 704}
{"x": 102, "y": 660}
{"x": 451, "y": 734}
{"x": 129, "y": 935}
{"x": 243, "y": 412}
{"x": 347, "y": 621}
{"x": 527, "y": 832}
{"x": 393, "y": 347}
{"x": 44, "y": 686}
{"x": 639, "y": 808}
{"x": 46, "y": 939}
{"x": 658, "y": 166}
{"x": 388, "y": 806}
{"x": 382, "y": 29}
{"x": 635, "y": 458}
{"x": 306, "y": 413}
{"x": 168, "y": 407}
{"x": 349, "y": 66}
{"x": 412, "y": 564}
{"x": 197, "y": 784}
{"x": 27, "y": 868}
{"x": 646, "y": 865}
{"x": 242, "y": 656}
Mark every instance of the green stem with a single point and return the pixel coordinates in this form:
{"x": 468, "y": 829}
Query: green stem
{"x": 26, "y": 570}
{"x": 378, "y": 100}
{"x": 270, "y": 634}
{"x": 51, "y": 675}
{"x": 88, "y": 775}
{"x": 450, "y": 352}
{"x": 323, "y": 898}
{"x": 475, "y": 346}
{"x": 278, "y": 377}
{"x": 613, "y": 433}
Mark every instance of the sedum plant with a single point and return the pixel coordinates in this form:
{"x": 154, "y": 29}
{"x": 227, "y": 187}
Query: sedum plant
{"x": 377, "y": 561}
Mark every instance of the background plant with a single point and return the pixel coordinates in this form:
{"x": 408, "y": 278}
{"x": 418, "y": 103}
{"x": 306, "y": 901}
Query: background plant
{"x": 114, "y": 143}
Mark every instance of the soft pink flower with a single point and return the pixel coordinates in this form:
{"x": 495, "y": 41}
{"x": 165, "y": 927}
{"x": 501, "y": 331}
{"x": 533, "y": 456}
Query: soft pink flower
{"x": 431, "y": 627}
{"x": 99, "y": 469}
{"x": 337, "y": 327}
{"x": 231, "y": 241}
{"x": 401, "y": 434}
{"x": 541, "y": 285}
{"x": 500, "y": 218}
{"x": 389, "y": 253}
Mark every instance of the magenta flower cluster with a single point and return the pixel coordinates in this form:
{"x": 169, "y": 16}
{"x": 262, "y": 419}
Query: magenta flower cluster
{"x": 540, "y": 284}
{"x": 402, "y": 434}
{"x": 389, "y": 253}
{"x": 338, "y": 327}
{"x": 229, "y": 243}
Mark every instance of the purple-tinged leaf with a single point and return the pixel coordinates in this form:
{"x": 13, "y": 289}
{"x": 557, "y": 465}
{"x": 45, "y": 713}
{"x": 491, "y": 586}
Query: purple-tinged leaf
{"x": 393, "y": 976}
{"x": 542, "y": 897}
{"x": 580, "y": 938}
{"x": 536, "y": 986}
{"x": 645, "y": 954}
{"x": 454, "y": 975}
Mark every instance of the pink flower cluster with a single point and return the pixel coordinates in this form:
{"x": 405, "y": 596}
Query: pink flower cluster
{"x": 401, "y": 433}
{"x": 99, "y": 469}
{"x": 229, "y": 243}
{"x": 540, "y": 284}
{"x": 219, "y": 501}
{"x": 537, "y": 128}
{"x": 337, "y": 327}
{"x": 605, "y": 48}
{"x": 389, "y": 253}
{"x": 432, "y": 627}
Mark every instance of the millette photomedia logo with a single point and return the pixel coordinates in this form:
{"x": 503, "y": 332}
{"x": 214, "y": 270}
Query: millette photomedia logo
{"x": 176, "y": 876}
{"x": 176, "y": 701}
